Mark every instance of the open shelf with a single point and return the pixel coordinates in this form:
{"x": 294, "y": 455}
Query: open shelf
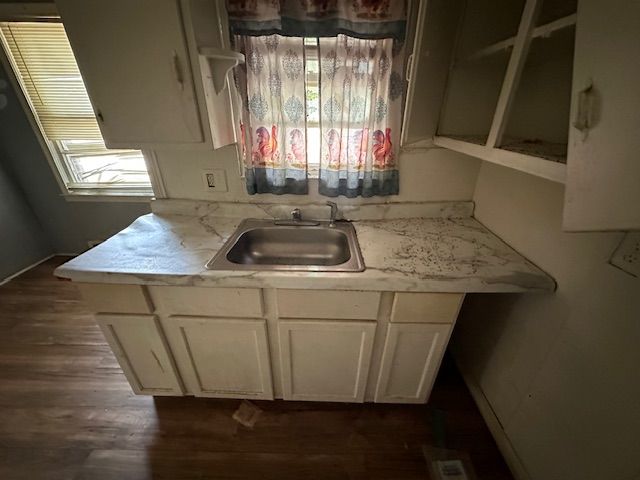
{"x": 221, "y": 61}
{"x": 552, "y": 151}
{"x": 541, "y": 31}
{"x": 530, "y": 157}
{"x": 537, "y": 123}
{"x": 473, "y": 88}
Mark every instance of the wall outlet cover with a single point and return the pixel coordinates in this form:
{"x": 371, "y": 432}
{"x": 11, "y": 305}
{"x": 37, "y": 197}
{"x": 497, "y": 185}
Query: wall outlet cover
{"x": 627, "y": 255}
{"x": 215, "y": 180}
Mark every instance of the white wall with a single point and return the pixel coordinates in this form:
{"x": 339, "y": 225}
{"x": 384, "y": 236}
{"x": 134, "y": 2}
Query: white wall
{"x": 433, "y": 175}
{"x": 561, "y": 371}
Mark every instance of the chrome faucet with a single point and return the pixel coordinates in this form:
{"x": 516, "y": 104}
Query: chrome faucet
{"x": 334, "y": 213}
{"x": 296, "y": 215}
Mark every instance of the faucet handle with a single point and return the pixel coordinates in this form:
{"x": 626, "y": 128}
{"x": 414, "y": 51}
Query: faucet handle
{"x": 334, "y": 212}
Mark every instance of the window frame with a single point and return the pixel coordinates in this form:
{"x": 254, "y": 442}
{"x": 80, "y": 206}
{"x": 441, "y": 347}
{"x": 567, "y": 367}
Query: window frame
{"x": 57, "y": 164}
{"x": 312, "y": 52}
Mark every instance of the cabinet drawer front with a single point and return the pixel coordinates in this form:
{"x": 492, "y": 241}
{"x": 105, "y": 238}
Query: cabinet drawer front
{"x": 325, "y": 360}
{"x": 110, "y": 298}
{"x": 330, "y": 304}
{"x": 139, "y": 346}
{"x": 426, "y": 307}
{"x": 212, "y": 302}
{"x": 227, "y": 358}
{"x": 410, "y": 361}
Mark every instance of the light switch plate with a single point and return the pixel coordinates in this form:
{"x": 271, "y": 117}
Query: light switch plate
{"x": 215, "y": 180}
{"x": 627, "y": 255}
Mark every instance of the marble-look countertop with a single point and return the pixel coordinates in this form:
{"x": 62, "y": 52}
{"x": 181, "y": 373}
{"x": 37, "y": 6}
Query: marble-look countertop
{"x": 414, "y": 254}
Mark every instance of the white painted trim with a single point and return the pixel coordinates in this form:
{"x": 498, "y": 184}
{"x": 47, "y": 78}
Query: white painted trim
{"x": 106, "y": 198}
{"x": 25, "y": 269}
{"x": 514, "y": 70}
{"x": 52, "y": 160}
{"x": 507, "y": 450}
{"x": 554, "y": 171}
{"x": 155, "y": 174}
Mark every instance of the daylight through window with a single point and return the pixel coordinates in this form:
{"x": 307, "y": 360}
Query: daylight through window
{"x": 45, "y": 66}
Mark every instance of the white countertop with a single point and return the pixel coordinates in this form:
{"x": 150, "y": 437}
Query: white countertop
{"x": 415, "y": 254}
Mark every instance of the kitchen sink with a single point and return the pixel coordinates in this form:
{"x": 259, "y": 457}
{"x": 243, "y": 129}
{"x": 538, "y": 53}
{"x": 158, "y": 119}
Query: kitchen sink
{"x": 290, "y": 245}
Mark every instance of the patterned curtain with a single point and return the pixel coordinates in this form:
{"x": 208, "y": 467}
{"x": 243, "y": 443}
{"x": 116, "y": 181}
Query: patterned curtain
{"x": 361, "y": 109}
{"x": 318, "y": 18}
{"x": 360, "y": 61}
{"x": 273, "y": 135}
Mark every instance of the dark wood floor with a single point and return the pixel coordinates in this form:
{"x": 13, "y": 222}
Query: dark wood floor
{"x": 66, "y": 412}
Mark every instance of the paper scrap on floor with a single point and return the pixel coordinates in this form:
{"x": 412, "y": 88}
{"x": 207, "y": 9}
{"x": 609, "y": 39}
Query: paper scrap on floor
{"x": 247, "y": 414}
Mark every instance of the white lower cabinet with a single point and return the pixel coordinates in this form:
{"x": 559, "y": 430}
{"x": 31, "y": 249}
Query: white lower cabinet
{"x": 226, "y": 358}
{"x": 410, "y": 361}
{"x": 138, "y": 344}
{"x": 233, "y": 342}
{"x": 325, "y": 360}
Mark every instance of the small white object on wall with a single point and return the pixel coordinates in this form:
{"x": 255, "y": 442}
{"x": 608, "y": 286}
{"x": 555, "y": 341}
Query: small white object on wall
{"x": 627, "y": 256}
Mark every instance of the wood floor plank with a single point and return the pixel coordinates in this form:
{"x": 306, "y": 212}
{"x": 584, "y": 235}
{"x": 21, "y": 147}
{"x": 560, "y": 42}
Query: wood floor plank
{"x": 67, "y": 412}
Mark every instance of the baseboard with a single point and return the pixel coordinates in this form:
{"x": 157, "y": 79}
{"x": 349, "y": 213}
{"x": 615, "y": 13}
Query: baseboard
{"x": 11, "y": 277}
{"x": 493, "y": 424}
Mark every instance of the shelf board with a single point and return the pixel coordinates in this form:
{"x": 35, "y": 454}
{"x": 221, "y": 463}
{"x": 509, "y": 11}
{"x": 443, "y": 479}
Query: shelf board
{"x": 534, "y": 165}
{"x": 541, "y": 31}
{"x": 220, "y": 61}
{"x": 419, "y": 145}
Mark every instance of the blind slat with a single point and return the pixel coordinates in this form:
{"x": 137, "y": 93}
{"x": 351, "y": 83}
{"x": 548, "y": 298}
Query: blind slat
{"x": 48, "y": 71}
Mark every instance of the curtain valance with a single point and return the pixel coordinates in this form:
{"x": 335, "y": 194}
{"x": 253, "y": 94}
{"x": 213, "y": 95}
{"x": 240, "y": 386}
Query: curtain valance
{"x": 368, "y": 19}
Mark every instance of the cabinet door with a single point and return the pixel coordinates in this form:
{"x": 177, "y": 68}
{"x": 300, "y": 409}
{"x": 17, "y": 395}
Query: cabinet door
{"x": 428, "y": 67}
{"x": 325, "y": 360}
{"x": 138, "y": 344}
{"x": 410, "y": 361}
{"x": 135, "y": 65}
{"x": 226, "y": 358}
{"x": 603, "y": 170}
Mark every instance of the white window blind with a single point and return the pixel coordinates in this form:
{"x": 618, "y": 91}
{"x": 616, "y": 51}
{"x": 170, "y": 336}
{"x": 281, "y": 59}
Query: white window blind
{"x": 51, "y": 78}
{"x": 44, "y": 63}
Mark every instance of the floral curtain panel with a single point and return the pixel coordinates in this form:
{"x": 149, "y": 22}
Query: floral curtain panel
{"x": 273, "y": 135}
{"x": 360, "y": 59}
{"x": 318, "y": 18}
{"x": 361, "y": 109}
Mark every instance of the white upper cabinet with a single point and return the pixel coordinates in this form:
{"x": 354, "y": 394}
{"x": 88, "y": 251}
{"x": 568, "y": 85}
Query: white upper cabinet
{"x": 541, "y": 86}
{"x": 140, "y": 64}
{"x": 603, "y": 177}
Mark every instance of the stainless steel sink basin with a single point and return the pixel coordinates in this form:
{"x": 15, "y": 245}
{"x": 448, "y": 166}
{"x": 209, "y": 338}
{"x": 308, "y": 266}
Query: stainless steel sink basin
{"x": 303, "y": 245}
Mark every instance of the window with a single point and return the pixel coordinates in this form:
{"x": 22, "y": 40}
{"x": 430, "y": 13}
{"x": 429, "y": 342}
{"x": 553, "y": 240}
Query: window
{"x": 312, "y": 97}
{"x": 46, "y": 69}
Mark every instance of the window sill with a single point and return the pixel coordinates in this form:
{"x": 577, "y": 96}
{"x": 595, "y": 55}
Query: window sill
{"x": 102, "y": 196}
